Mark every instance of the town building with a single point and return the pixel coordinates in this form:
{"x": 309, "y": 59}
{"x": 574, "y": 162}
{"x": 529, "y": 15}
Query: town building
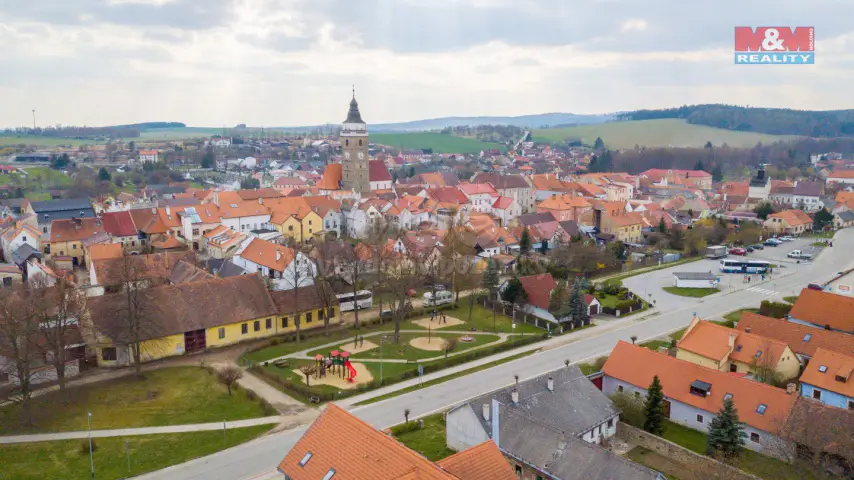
{"x": 695, "y": 280}
{"x": 285, "y": 267}
{"x": 790, "y": 222}
{"x": 829, "y": 378}
{"x": 49, "y": 210}
{"x": 354, "y": 149}
{"x": 804, "y": 340}
{"x": 819, "y": 309}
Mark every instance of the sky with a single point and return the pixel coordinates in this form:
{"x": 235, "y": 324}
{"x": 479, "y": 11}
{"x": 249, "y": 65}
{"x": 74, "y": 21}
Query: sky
{"x": 294, "y": 62}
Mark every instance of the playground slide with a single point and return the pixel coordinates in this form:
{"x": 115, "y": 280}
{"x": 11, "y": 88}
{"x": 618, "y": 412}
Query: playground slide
{"x": 351, "y": 370}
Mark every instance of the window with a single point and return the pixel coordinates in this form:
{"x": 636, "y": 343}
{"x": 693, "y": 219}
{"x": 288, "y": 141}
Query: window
{"x": 699, "y": 418}
{"x": 244, "y": 328}
{"x": 305, "y": 458}
{"x": 761, "y": 409}
{"x": 728, "y": 396}
{"x": 329, "y": 474}
{"x": 620, "y": 389}
{"x": 308, "y": 317}
{"x": 269, "y": 323}
{"x": 816, "y": 394}
{"x": 108, "y": 354}
{"x": 518, "y": 470}
{"x": 637, "y": 394}
{"x": 284, "y": 322}
{"x": 291, "y": 228}
{"x": 4, "y": 378}
{"x": 850, "y": 404}
{"x": 320, "y": 314}
{"x": 599, "y": 430}
{"x": 221, "y": 333}
{"x": 332, "y": 312}
{"x": 24, "y": 238}
{"x": 611, "y": 423}
{"x": 822, "y": 368}
{"x": 257, "y": 325}
{"x": 309, "y": 223}
{"x": 754, "y": 437}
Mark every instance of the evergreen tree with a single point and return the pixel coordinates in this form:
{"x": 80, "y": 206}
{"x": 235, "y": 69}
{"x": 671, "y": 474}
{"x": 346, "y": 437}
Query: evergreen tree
{"x": 104, "y": 175}
{"x": 598, "y": 144}
{"x": 822, "y": 218}
{"x": 654, "y": 408}
{"x": 490, "y": 276}
{"x": 208, "y": 159}
{"x": 662, "y": 227}
{"x": 717, "y": 174}
{"x": 513, "y": 292}
{"x": 525, "y": 242}
{"x": 726, "y": 432}
{"x": 577, "y": 307}
{"x": 593, "y": 166}
{"x": 699, "y": 166}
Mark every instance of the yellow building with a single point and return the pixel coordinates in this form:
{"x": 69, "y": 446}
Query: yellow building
{"x": 294, "y": 218}
{"x": 625, "y": 227}
{"x": 192, "y": 317}
{"x": 67, "y": 238}
{"x": 730, "y": 350}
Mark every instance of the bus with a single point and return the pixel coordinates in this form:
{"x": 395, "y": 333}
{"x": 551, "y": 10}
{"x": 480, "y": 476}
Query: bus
{"x": 363, "y": 299}
{"x": 744, "y": 266}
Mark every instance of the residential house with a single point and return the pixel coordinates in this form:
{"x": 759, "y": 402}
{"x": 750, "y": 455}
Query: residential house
{"x": 565, "y": 207}
{"x": 242, "y": 216}
{"x": 695, "y": 394}
{"x": 329, "y": 210}
{"x": 730, "y": 350}
{"x": 378, "y": 175}
{"x": 564, "y": 399}
{"x": 121, "y": 229}
{"x": 148, "y": 224}
{"x": 108, "y": 272}
{"x": 548, "y": 185}
{"x": 791, "y": 222}
{"x": 317, "y": 307}
{"x": 515, "y": 186}
{"x": 528, "y": 219}
{"x": 538, "y": 289}
{"x": 845, "y": 177}
{"x": 16, "y": 236}
{"x": 843, "y": 219}
{"x": 625, "y": 227}
{"x": 802, "y": 339}
{"x": 221, "y": 242}
{"x": 10, "y": 274}
{"x": 148, "y": 156}
{"x": 820, "y": 309}
{"x": 804, "y": 195}
{"x": 183, "y": 318}
{"x": 822, "y": 433}
{"x": 340, "y": 445}
{"x": 285, "y": 267}
{"x": 506, "y": 209}
{"x": 295, "y": 218}
{"x": 665, "y": 177}
{"x": 49, "y": 210}
{"x": 481, "y": 196}
{"x": 829, "y": 378}
{"x": 67, "y": 238}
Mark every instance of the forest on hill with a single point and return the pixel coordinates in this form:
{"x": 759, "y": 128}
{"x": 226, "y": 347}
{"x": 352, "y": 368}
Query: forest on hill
{"x": 776, "y": 121}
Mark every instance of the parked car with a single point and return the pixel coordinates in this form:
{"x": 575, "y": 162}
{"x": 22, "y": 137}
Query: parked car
{"x": 411, "y": 292}
{"x": 799, "y": 254}
{"x": 737, "y": 251}
{"x": 758, "y": 246}
{"x": 786, "y": 238}
{"x": 749, "y": 249}
{"x": 814, "y": 286}
{"x": 772, "y": 242}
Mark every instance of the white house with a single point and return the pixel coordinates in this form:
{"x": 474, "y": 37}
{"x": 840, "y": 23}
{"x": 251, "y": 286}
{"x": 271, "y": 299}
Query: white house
{"x": 695, "y": 280}
{"x": 146, "y": 156}
{"x": 284, "y": 267}
{"x": 481, "y": 196}
{"x": 243, "y": 216}
{"x": 506, "y": 209}
{"x": 220, "y": 142}
{"x": 695, "y": 394}
{"x": 17, "y": 235}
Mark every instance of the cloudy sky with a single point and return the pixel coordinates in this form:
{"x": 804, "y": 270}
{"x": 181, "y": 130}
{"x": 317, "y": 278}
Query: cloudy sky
{"x": 292, "y": 62}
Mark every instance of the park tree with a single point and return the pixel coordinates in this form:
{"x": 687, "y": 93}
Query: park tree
{"x": 19, "y": 332}
{"x": 557, "y": 297}
{"x": 717, "y": 174}
{"x": 229, "y": 375}
{"x": 404, "y": 275}
{"x": 514, "y": 291}
{"x": 822, "y": 219}
{"x": 209, "y": 159}
{"x": 104, "y": 175}
{"x": 58, "y": 309}
{"x": 763, "y": 210}
{"x": 654, "y": 408}
{"x": 525, "y": 242}
{"x": 577, "y": 307}
{"x": 490, "y": 276}
{"x": 449, "y": 345}
{"x": 354, "y": 269}
{"x": 726, "y": 434}
{"x": 662, "y": 227}
{"x": 303, "y": 274}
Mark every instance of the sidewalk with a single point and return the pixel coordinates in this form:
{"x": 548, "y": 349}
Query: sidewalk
{"x": 120, "y": 432}
{"x": 281, "y": 402}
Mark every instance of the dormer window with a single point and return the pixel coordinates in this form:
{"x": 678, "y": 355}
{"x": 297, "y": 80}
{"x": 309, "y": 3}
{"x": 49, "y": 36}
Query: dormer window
{"x": 761, "y": 409}
{"x": 807, "y": 337}
{"x": 700, "y": 388}
{"x": 822, "y": 368}
{"x": 305, "y": 458}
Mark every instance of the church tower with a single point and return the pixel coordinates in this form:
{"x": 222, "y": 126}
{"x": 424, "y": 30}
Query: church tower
{"x": 354, "y": 147}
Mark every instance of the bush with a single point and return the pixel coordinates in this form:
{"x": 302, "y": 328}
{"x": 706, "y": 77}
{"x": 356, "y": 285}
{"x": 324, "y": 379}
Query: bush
{"x": 774, "y": 309}
{"x": 251, "y": 395}
{"x": 268, "y": 409}
{"x": 84, "y": 446}
{"x": 632, "y": 408}
{"x": 405, "y": 428}
{"x": 612, "y": 288}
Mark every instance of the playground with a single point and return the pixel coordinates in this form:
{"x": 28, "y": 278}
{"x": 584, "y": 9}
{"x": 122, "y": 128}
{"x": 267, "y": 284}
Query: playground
{"x": 437, "y": 323}
{"x": 359, "y": 346}
{"x": 430, "y": 344}
{"x": 334, "y": 369}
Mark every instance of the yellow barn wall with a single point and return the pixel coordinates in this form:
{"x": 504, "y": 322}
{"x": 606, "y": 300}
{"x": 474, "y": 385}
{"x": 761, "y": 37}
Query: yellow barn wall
{"x": 696, "y": 359}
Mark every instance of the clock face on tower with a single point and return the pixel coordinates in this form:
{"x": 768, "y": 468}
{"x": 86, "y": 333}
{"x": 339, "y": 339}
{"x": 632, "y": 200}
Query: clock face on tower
{"x": 361, "y": 155}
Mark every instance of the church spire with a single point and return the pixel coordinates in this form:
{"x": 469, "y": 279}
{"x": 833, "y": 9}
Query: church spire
{"x": 353, "y": 116}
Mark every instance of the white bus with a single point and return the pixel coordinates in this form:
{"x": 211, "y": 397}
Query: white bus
{"x": 441, "y": 298}
{"x": 363, "y": 299}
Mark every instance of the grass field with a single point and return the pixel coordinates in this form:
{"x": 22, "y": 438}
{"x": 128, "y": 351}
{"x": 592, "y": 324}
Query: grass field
{"x": 438, "y": 142}
{"x": 41, "y": 141}
{"x": 408, "y": 352}
{"x": 655, "y": 133}
{"x": 691, "y": 292}
{"x": 428, "y": 441}
{"x": 169, "y": 396}
{"x": 69, "y": 459}
{"x": 178, "y": 133}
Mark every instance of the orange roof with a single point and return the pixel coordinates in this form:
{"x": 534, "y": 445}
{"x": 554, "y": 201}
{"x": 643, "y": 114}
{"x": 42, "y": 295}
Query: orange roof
{"x": 331, "y": 177}
{"x": 802, "y": 339}
{"x": 234, "y": 207}
{"x": 268, "y": 254}
{"x": 147, "y": 221}
{"x": 677, "y": 375}
{"x": 625, "y": 220}
{"x": 482, "y": 461}
{"x": 842, "y": 174}
{"x": 564, "y": 202}
{"x": 823, "y": 308}
{"x": 837, "y": 374}
{"x": 74, "y": 229}
{"x": 356, "y": 451}
{"x": 100, "y": 251}
{"x": 169, "y": 242}
{"x": 711, "y": 340}
{"x": 792, "y": 217}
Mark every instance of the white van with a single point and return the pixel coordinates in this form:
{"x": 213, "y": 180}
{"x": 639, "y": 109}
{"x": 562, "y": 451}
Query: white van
{"x": 442, "y": 298}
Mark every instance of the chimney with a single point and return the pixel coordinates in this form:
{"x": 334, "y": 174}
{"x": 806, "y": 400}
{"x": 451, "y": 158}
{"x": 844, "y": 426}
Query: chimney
{"x": 514, "y": 395}
{"x": 791, "y": 388}
{"x": 747, "y": 329}
{"x": 731, "y": 340}
{"x": 260, "y": 201}
{"x": 486, "y": 411}
{"x": 278, "y": 255}
{"x": 168, "y": 212}
{"x": 550, "y": 383}
{"x": 154, "y": 211}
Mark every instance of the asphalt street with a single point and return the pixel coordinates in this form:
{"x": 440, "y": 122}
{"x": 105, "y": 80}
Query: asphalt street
{"x": 258, "y": 459}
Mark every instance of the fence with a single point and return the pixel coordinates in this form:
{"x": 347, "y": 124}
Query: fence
{"x": 523, "y": 317}
{"x": 680, "y": 454}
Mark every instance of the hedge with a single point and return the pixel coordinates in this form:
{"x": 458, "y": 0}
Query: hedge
{"x": 304, "y": 392}
{"x": 774, "y": 309}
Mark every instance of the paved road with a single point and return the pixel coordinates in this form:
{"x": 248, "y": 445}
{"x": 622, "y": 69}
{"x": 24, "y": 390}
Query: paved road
{"x": 258, "y": 459}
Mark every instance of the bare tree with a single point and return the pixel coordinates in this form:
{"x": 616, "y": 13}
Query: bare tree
{"x": 308, "y": 371}
{"x": 404, "y": 275}
{"x": 133, "y": 320}
{"x": 324, "y": 254}
{"x": 229, "y": 375}
{"x": 19, "y": 333}
{"x": 354, "y": 267}
{"x": 449, "y": 345}
{"x": 300, "y": 273}
{"x": 59, "y": 309}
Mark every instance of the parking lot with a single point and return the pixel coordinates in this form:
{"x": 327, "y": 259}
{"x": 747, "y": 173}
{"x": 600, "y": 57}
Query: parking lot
{"x": 778, "y": 254}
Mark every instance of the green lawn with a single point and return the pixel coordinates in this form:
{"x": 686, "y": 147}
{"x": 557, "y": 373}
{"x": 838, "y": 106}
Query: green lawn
{"x": 691, "y": 292}
{"x": 428, "y": 441}
{"x": 677, "y": 335}
{"x": 822, "y": 234}
{"x": 446, "y": 378}
{"x": 41, "y": 141}
{"x": 438, "y": 142}
{"x": 791, "y": 299}
{"x": 405, "y": 351}
{"x": 735, "y": 315}
{"x": 654, "y": 133}
{"x": 69, "y": 459}
{"x": 481, "y": 319}
{"x": 168, "y": 396}
{"x": 654, "y": 344}
{"x": 660, "y": 463}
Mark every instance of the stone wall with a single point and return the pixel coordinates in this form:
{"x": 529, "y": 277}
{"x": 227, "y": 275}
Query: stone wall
{"x": 636, "y": 436}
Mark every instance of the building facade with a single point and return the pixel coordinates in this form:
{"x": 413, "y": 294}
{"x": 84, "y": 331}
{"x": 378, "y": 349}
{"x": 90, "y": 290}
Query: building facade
{"x": 354, "y": 149}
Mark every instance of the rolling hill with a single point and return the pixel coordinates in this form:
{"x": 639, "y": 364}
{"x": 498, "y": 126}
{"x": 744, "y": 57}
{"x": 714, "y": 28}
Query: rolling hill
{"x": 438, "y": 142}
{"x": 527, "y": 121}
{"x": 656, "y": 133}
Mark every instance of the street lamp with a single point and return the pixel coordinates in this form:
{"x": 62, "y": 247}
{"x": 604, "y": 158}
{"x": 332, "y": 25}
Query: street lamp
{"x": 383, "y": 339}
{"x": 91, "y": 458}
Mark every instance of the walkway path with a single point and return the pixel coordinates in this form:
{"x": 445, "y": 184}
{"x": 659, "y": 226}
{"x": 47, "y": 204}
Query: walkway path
{"x": 281, "y": 402}
{"x": 120, "y": 432}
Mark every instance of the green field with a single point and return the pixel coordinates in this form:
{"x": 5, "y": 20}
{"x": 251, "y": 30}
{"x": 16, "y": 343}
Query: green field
{"x": 178, "y": 133}
{"x": 41, "y": 141}
{"x": 655, "y": 133}
{"x": 438, "y": 142}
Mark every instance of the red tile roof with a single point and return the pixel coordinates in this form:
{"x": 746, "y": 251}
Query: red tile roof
{"x": 823, "y": 308}
{"x": 538, "y": 288}
{"x": 482, "y": 461}
{"x": 803, "y": 339}
{"x": 118, "y": 224}
{"x": 74, "y": 229}
{"x": 268, "y": 254}
{"x": 378, "y": 172}
{"x": 838, "y": 374}
{"x": 637, "y": 365}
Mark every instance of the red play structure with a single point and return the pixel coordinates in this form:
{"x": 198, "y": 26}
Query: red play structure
{"x": 341, "y": 360}
{"x": 352, "y": 371}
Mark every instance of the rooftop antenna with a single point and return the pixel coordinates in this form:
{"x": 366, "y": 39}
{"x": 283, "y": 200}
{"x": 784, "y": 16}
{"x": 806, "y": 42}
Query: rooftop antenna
{"x": 354, "y": 90}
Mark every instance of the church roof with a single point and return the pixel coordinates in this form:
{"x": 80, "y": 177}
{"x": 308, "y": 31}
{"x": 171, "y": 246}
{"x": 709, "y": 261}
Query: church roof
{"x": 353, "y": 116}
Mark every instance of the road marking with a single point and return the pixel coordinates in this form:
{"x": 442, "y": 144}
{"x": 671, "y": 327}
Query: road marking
{"x": 763, "y": 291}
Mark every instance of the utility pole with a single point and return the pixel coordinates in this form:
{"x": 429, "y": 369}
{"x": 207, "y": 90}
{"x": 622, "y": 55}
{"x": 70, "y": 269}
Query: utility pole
{"x": 34, "y": 119}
